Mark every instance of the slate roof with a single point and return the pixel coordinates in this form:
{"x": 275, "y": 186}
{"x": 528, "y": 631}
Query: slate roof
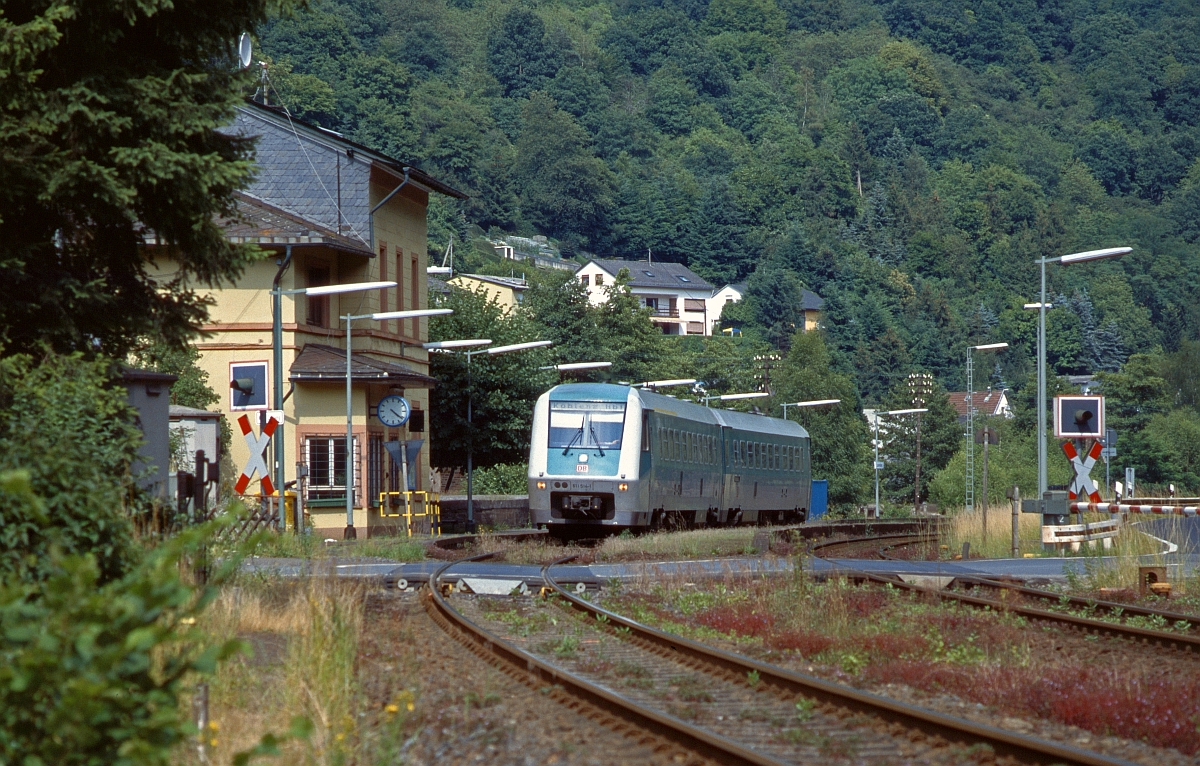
{"x": 318, "y": 363}
{"x": 810, "y": 301}
{"x": 674, "y": 276}
{"x": 265, "y": 224}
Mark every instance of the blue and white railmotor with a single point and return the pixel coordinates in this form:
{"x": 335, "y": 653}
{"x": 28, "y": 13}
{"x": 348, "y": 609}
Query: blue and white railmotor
{"x": 605, "y": 458}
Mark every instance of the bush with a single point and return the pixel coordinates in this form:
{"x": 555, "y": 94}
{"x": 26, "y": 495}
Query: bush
{"x": 93, "y": 672}
{"x": 67, "y": 429}
{"x": 512, "y": 479}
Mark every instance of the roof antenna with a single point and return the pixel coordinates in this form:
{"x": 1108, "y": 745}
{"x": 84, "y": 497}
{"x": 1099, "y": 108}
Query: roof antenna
{"x": 649, "y": 257}
{"x": 447, "y": 266}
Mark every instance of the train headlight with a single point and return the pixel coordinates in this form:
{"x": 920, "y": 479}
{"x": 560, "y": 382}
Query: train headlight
{"x": 623, "y": 487}
{"x": 541, "y": 485}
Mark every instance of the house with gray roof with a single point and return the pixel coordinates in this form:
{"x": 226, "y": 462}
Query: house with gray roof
{"x": 811, "y": 305}
{"x": 675, "y": 295}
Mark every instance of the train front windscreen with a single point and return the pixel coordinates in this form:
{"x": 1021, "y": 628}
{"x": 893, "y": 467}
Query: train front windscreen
{"x": 586, "y": 425}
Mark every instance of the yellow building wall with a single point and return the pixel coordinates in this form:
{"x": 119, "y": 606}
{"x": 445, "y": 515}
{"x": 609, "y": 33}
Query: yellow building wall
{"x": 506, "y": 297}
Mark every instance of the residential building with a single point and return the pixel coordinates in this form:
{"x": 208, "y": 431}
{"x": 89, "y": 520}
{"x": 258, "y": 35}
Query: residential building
{"x": 811, "y": 305}
{"x": 676, "y": 296}
{"x": 988, "y": 403}
{"x": 506, "y": 291}
{"x": 326, "y": 211}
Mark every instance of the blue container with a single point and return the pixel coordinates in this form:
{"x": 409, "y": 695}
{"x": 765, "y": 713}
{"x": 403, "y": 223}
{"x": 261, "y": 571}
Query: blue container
{"x": 820, "y": 499}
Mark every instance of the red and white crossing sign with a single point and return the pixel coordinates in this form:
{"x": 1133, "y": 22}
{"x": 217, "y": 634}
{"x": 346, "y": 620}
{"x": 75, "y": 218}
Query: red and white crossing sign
{"x": 258, "y": 445}
{"x": 1082, "y": 484}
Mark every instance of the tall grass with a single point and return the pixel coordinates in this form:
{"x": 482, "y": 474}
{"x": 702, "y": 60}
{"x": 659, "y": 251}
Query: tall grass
{"x": 968, "y": 528}
{"x": 1100, "y": 567}
{"x": 288, "y": 545}
{"x": 314, "y": 627}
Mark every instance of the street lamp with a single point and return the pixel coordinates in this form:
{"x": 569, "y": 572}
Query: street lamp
{"x": 733, "y": 397}
{"x": 1090, "y": 255}
{"x": 577, "y": 366}
{"x": 969, "y": 492}
{"x": 277, "y": 348}
{"x": 667, "y": 383}
{"x": 809, "y": 403}
{"x": 379, "y": 316}
{"x": 875, "y": 441}
{"x": 470, "y": 402}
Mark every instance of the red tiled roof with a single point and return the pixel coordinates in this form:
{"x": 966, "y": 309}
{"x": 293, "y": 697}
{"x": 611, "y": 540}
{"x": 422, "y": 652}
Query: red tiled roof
{"x": 987, "y": 402}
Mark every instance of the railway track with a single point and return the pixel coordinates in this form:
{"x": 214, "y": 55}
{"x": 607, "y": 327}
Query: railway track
{"x": 1013, "y": 598}
{"x": 771, "y": 715}
{"x": 875, "y": 547}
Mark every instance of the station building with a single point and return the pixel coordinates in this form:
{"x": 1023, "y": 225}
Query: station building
{"x": 325, "y": 211}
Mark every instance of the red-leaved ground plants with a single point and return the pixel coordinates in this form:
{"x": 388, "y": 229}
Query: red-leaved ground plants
{"x": 889, "y": 638}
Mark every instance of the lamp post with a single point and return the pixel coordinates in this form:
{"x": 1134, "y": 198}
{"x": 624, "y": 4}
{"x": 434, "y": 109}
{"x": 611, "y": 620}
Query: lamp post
{"x": 470, "y": 403}
{"x": 380, "y": 316}
{"x": 1090, "y": 255}
{"x": 969, "y": 492}
{"x": 277, "y": 349}
{"x": 875, "y": 425}
{"x": 734, "y": 397}
{"x": 809, "y": 403}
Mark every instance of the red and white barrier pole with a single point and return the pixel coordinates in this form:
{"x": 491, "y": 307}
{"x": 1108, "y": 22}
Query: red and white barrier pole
{"x": 1163, "y": 510}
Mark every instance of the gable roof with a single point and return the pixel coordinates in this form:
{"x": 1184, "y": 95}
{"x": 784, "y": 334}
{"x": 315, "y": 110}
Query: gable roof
{"x": 509, "y": 282}
{"x": 987, "y": 402}
{"x": 318, "y": 363}
{"x": 646, "y": 274}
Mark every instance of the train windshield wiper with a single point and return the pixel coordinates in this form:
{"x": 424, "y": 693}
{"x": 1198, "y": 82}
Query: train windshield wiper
{"x": 578, "y": 435}
{"x": 596, "y": 439}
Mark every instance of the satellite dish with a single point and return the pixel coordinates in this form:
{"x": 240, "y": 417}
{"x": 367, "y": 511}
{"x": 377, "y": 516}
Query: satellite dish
{"x": 245, "y": 52}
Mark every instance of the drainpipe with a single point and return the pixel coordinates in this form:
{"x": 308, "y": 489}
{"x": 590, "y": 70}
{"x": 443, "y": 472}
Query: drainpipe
{"x": 382, "y": 202}
{"x": 277, "y": 344}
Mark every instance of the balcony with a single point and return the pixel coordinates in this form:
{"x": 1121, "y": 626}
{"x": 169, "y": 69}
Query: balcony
{"x": 663, "y": 313}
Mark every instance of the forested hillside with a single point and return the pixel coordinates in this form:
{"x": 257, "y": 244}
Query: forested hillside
{"x": 907, "y": 160}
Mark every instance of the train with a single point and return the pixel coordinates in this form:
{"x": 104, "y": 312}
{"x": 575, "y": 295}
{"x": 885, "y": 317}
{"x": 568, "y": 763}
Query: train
{"x": 605, "y": 458}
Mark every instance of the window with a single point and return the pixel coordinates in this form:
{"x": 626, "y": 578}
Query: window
{"x": 645, "y": 431}
{"x": 648, "y": 273}
{"x": 317, "y": 311}
{"x": 651, "y": 303}
{"x": 414, "y": 296}
{"x": 599, "y": 280}
{"x": 586, "y": 425}
{"x": 584, "y": 279}
{"x": 775, "y": 453}
{"x": 693, "y": 304}
{"x": 695, "y": 328}
{"x": 682, "y": 278}
{"x": 326, "y": 459}
{"x": 664, "y": 441}
{"x": 375, "y": 463}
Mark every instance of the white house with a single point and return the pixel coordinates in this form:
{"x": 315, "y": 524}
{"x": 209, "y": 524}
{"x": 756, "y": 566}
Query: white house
{"x": 811, "y": 305}
{"x": 717, "y": 302}
{"x": 676, "y": 296}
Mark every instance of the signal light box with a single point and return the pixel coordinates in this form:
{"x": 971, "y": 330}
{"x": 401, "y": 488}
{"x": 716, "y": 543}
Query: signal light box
{"x": 247, "y": 386}
{"x": 1079, "y": 417}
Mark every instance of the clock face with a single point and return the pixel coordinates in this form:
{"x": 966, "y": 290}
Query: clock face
{"x": 393, "y": 411}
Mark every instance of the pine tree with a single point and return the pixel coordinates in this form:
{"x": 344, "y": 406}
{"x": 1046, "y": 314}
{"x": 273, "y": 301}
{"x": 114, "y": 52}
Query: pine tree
{"x": 1109, "y": 350}
{"x": 112, "y": 131}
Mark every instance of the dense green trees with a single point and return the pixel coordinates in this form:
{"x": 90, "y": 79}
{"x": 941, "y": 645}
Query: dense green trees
{"x": 908, "y": 160}
{"x": 110, "y": 132}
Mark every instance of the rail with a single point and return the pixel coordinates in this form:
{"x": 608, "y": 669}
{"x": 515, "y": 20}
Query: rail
{"x": 1188, "y": 641}
{"x": 1004, "y": 743}
{"x": 694, "y": 739}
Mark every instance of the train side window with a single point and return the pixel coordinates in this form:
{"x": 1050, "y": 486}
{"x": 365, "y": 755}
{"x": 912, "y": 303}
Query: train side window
{"x": 647, "y": 438}
{"x": 775, "y": 457}
{"x": 790, "y": 456}
{"x": 662, "y": 443}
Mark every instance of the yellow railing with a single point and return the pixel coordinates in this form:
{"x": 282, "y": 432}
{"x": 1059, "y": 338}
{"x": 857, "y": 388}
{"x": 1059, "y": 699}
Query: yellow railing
{"x": 419, "y": 507}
